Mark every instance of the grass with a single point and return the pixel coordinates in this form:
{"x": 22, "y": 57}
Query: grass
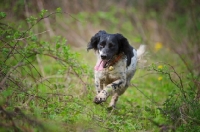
{"x": 135, "y": 109}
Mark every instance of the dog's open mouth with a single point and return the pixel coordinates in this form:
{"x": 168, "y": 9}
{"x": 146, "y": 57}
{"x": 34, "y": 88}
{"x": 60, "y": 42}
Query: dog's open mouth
{"x": 100, "y": 65}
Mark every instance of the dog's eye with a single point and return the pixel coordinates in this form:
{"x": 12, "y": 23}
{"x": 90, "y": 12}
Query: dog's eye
{"x": 102, "y": 44}
{"x": 111, "y": 45}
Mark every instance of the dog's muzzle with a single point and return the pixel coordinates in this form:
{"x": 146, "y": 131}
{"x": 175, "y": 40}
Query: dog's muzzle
{"x": 103, "y": 56}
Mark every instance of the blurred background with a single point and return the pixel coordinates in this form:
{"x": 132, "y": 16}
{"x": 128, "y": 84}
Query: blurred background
{"x": 169, "y": 28}
{"x": 172, "y": 24}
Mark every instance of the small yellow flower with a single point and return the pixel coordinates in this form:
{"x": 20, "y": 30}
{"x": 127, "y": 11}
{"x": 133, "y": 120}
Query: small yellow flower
{"x": 158, "y": 46}
{"x": 159, "y": 78}
{"x": 160, "y": 67}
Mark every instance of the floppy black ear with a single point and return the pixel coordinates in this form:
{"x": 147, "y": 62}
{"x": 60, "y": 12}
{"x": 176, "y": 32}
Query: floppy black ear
{"x": 125, "y": 47}
{"x": 95, "y": 40}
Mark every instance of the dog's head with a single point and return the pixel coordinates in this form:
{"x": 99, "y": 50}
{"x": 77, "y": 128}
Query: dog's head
{"x": 109, "y": 45}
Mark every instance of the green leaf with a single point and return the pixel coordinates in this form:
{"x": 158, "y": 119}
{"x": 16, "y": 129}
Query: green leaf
{"x": 42, "y": 13}
{"x": 33, "y": 38}
{"x": 2, "y": 15}
{"x": 58, "y": 45}
{"x": 7, "y": 92}
{"x": 58, "y": 10}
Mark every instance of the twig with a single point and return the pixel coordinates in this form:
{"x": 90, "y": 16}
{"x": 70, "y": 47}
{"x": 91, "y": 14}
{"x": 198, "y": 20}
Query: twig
{"x": 10, "y": 117}
{"x": 30, "y": 36}
{"x": 144, "y": 94}
{"x": 40, "y": 65}
{"x": 9, "y": 72}
{"x": 174, "y": 82}
{"x": 46, "y": 78}
{"x": 57, "y": 58}
{"x": 47, "y": 22}
{"x": 24, "y": 57}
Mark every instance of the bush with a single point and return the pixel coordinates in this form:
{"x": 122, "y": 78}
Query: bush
{"x": 182, "y": 107}
{"x": 31, "y": 89}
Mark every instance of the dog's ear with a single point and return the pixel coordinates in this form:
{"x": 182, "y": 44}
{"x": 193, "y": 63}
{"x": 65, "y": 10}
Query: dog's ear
{"x": 125, "y": 47}
{"x": 95, "y": 40}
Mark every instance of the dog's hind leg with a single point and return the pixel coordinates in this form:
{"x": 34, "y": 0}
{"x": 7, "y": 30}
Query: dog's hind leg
{"x": 113, "y": 100}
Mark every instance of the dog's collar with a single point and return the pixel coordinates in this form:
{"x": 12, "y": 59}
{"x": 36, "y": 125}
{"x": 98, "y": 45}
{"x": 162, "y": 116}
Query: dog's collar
{"x": 113, "y": 60}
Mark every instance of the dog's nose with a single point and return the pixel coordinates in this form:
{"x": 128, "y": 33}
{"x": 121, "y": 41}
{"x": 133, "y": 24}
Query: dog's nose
{"x": 103, "y": 57}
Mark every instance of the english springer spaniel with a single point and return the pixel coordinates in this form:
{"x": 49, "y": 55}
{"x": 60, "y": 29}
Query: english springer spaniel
{"x": 116, "y": 65}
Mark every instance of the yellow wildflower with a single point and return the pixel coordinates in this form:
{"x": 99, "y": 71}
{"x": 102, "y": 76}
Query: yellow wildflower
{"x": 160, "y": 67}
{"x": 159, "y": 78}
{"x": 158, "y": 46}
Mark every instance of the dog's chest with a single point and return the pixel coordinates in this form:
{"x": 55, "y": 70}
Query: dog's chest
{"x": 110, "y": 74}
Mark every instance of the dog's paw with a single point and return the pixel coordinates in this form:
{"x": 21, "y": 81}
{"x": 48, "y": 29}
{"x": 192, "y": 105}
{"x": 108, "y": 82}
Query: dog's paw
{"x": 101, "y": 97}
{"x": 109, "y": 108}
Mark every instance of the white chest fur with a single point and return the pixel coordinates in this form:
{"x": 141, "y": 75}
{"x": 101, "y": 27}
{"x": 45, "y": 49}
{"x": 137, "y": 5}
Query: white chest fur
{"x": 111, "y": 74}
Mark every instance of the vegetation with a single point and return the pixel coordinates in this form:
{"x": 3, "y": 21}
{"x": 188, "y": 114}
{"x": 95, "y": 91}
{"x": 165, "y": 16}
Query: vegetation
{"x": 46, "y": 74}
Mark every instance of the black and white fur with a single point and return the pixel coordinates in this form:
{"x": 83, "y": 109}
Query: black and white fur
{"x": 113, "y": 82}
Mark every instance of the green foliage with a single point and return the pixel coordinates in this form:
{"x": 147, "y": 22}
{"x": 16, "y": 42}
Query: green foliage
{"x": 46, "y": 82}
{"x": 58, "y": 10}
{"x": 45, "y": 86}
{"x": 2, "y": 15}
{"x": 23, "y": 86}
{"x": 181, "y": 107}
{"x": 42, "y": 13}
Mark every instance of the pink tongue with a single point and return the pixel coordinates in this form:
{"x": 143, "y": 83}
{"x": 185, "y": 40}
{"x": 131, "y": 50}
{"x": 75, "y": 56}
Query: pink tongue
{"x": 99, "y": 65}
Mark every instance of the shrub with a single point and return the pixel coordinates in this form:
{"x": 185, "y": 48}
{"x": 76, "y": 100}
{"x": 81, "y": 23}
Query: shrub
{"x": 182, "y": 107}
{"x": 31, "y": 88}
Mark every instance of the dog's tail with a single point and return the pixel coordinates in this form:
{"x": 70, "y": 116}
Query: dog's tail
{"x": 141, "y": 51}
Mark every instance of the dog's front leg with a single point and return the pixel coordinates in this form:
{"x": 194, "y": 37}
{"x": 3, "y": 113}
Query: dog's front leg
{"x": 110, "y": 89}
{"x": 97, "y": 85}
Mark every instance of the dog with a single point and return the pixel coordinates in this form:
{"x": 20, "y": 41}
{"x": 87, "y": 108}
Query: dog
{"x": 115, "y": 67}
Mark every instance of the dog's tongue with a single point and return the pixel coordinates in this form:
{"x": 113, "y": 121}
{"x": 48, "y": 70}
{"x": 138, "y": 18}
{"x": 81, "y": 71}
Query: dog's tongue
{"x": 99, "y": 65}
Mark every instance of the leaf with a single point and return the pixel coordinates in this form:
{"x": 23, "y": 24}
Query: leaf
{"x": 58, "y": 45}
{"x": 33, "y": 38}
{"x": 58, "y": 10}
{"x": 2, "y": 15}
{"x": 7, "y": 92}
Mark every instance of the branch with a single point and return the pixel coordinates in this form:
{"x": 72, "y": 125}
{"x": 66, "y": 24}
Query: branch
{"x": 9, "y": 72}
{"x": 57, "y": 58}
{"x": 31, "y": 36}
{"x": 170, "y": 77}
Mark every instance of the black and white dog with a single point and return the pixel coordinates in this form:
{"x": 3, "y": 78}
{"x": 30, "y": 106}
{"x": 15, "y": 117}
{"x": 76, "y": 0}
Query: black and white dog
{"x": 116, "y": 65}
